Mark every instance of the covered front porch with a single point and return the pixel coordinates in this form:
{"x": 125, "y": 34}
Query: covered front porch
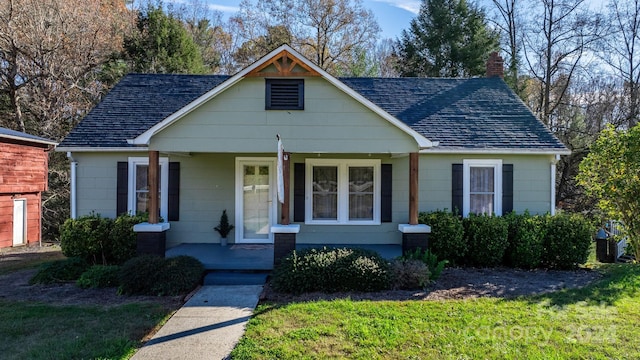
{"x": 257, "y": 257}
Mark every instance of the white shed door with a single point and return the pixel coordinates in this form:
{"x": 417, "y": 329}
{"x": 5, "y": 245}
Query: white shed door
{"x": 19, "y": 222}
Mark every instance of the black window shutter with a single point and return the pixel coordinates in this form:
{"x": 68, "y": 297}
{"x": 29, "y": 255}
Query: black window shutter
{"x": 173, "y": 198}
{"x": 457, "y": 188}
{"x": 385, "y": 192}
{"x": 507, "y": 188}
{"x": 298, "y": 192}
{"x": 122, "y": 187}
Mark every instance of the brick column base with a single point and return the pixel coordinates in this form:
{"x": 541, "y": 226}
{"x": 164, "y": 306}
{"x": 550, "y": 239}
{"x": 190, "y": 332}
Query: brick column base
{"x": 411, "y": 242}
{"x": 284, "y": 241}
{"x": 283, "y": 245}
{"x": 151, "y": 239}
{"x": 153, "y": 243}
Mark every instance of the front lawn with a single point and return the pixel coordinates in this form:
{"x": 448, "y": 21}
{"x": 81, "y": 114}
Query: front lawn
{"x": 41, "y": 331}
{"x": 596, "y": 322}
{"x": 53, "y": 329}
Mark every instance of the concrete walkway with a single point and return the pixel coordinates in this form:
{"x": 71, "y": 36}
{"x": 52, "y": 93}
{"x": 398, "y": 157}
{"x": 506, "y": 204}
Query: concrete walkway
{"x": 208, "y": 326}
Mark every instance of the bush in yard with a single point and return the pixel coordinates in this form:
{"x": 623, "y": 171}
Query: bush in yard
{"x": 99, "y": 276}
{"x": 153, "y": 275}
{"x": 487, "y": 238}
{"x": 178, "y": 275}
{"x": 446, "y": 239}
{"x": 429, "y": 259}
{"x": 526, "y": 236}
{"x": 331, "y": 270}
{"x": 85, "y": 237}
{"x": 122, "y": 239}
{"x": 409, "y": 274}
{"x": 567, "y": 241}
{"x": 100, "y": 240}
{"x": 60, "y": 271}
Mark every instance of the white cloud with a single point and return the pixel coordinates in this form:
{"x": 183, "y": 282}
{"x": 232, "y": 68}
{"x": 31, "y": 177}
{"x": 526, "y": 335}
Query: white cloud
{"x": 412, "y": 6}
{"x": 224, "y": 8}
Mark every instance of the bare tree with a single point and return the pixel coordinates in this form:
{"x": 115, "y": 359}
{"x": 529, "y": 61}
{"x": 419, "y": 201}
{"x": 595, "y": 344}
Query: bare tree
{"x": 621, "y": 51}
{"x": 51, "y": 53}
{"x": 560, "y": 33}
{"x": 329, "y": 32}
{"x": 509, "y": 22}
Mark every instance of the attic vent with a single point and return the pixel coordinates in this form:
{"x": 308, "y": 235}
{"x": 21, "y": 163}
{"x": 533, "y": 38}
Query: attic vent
{"x": 285, "y": 94}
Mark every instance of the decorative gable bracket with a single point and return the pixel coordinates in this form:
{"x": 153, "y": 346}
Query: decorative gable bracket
{"x": 284, "y": 64}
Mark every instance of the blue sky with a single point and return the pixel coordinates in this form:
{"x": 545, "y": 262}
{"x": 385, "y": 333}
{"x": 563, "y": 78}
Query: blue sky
{"x": 393, "y": 15}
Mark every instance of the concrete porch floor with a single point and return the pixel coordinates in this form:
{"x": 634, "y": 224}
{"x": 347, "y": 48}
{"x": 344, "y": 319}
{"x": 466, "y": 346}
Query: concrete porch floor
{"x": 256, "y": 257}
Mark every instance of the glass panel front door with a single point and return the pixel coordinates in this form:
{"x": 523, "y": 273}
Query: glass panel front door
{"x": 257, "y": 201}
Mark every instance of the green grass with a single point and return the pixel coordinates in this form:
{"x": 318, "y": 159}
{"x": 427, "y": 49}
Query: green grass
{"x": 596, "y": 322}
{"x": 39, "y": 331}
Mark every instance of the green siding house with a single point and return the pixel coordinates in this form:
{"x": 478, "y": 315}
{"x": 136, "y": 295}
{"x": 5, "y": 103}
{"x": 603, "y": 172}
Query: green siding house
{"x": 363, "y": 154}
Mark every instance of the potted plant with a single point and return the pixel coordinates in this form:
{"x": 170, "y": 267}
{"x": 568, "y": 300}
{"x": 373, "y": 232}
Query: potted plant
{"x": 224, "y": 228}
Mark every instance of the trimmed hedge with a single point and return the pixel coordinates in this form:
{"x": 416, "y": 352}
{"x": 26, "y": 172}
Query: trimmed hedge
{"x": 99, "y": 276}
{"x": 567, "y": 242}
{"x": 487, "y": 239}
{"x": 153, "y": 275}
{"x": 60, "y": 271}
{"x": 331, "y": 270}
{"x": 100, "y": 240}
{"x": 526, "y": 240}
{"x": 446, "y": 239}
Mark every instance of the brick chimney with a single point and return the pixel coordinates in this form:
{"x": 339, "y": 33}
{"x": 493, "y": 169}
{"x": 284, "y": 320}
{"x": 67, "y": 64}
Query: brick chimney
{"x": 495, "y": 66}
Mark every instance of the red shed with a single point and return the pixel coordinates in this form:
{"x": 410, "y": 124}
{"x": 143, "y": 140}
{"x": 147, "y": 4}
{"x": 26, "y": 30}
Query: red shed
{"x": 24, "y": 164}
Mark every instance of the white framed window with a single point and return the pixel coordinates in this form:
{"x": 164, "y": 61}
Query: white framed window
{"x": 138, "y": 191}
{"x": 342, "y": 191}
{"x": 482, "y": 187}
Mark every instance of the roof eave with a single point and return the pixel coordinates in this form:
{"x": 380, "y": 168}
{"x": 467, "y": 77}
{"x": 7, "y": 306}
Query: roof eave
{"x": 100, "y": 149}
{"x": 28, "y": 139}
{"x": 496, "y": 151}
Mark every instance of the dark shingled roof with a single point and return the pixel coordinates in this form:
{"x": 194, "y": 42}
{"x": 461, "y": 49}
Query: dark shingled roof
{"x": 135, "y": 104}
{"x": 472, "y": 114}
{"x": 478, "y": 113}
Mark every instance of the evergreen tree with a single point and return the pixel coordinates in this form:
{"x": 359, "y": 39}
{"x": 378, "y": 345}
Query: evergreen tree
{"x": 448, "y": 38}
{"x": 162, "y": 45}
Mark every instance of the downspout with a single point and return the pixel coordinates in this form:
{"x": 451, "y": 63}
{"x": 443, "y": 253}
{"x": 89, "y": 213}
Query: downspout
{"x": 553, "y": 183}
{"x": 73, "y": 198}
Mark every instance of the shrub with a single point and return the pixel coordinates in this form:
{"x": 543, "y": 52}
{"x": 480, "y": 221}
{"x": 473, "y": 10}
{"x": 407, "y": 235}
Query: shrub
{"x": 447, "y": 235}
{"x": 331, "y": 270}
{"x": 487, "y": 239}
{"x": 178, "y": 275}
{"x": 567, "y": 241}
{"x": 85, "y": 237}
{"x": 122, "y": 239}
{"x": 526, "y": 236}
{"x": 100, "y": 240}
{"x": 60, "y": 271}
{"x": 99, "y": 276}
{"x": 409, "y": 274}
{"x": 429, "y": 259}
{"x": 153, "y": 275}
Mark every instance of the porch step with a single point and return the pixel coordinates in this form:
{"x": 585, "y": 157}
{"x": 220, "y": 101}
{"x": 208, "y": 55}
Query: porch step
{"x": 235, "y": 278}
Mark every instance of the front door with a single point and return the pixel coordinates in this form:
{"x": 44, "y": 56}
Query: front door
{"x": 19, "y": 222}
{"x": 255, "y": 205}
